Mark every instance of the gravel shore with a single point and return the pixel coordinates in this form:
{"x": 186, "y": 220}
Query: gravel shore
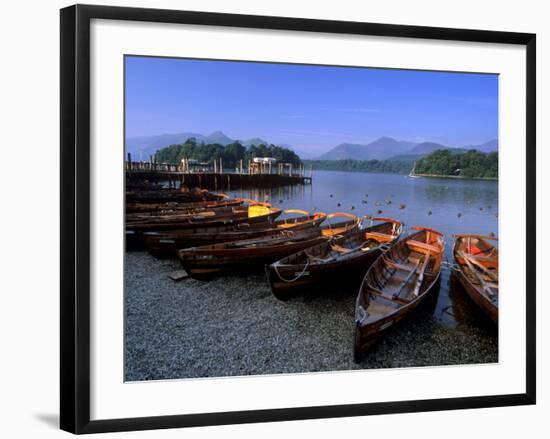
{"x": 234, "y": 326}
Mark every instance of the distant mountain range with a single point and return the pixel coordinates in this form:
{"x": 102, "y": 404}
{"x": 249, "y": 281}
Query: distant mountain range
{"x": 380, "y": 149}
{"x": 384, "y": 148}
{"x": 148, "y": 145}
{"x": 387, "y": 148}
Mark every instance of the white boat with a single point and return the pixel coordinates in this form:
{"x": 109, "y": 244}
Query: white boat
{"x": 412, "y": 173}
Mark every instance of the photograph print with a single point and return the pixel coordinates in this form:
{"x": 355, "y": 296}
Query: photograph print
{"x": 292, "y": 218}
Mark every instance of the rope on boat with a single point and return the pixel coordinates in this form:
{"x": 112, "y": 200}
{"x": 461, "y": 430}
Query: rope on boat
{"x": 449, "y": 265}
{"x": 383, "y": 247}
{"x": 291, "y": 280}
{"x": 329, "y": 223}
{"x": 303, "y": 272}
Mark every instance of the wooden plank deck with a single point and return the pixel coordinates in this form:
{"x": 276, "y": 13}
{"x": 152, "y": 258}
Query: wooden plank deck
{"x": 154, "y": 172}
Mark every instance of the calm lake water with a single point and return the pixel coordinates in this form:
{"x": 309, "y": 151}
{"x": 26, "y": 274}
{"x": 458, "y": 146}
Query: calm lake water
{"x": 448, "y": 205}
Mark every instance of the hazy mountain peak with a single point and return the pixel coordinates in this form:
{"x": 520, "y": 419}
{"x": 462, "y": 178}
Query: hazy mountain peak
{"x": 218, "y": 137}
{"x": 380, "y": 149}
{"x": 489, "y": 146}
{"x": 427, "y": 148}
{"x": 384, "y": 139}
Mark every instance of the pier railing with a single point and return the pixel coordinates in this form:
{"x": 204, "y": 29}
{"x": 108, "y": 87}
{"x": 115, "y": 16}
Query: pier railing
{"x": 285, "y": 169}
{"x": 218, "y": 178}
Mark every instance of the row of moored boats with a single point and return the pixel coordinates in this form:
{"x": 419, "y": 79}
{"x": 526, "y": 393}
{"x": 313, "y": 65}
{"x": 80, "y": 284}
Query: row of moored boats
{"x": 304, "y": 252}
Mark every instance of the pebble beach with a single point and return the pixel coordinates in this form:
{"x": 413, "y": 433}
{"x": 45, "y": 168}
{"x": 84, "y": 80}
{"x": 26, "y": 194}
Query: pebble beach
{"x": 234, "y": 326}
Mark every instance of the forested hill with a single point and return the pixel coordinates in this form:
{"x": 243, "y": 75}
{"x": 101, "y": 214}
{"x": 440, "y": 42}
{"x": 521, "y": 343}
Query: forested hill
{"x": 230, "y": 154}
{"x": 384, "y": 166}
{"x": 469, "y": 164}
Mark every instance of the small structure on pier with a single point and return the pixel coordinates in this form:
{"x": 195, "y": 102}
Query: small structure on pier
{"x": 266, "y": 165}
{"x": 261, "y": 165}
{"x": 192, "y": 165}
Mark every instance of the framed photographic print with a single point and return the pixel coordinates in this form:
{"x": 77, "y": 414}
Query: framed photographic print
{"x": 272, "y": 218}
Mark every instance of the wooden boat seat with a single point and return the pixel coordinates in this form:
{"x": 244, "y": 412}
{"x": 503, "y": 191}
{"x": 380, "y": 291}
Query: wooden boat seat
{"x": 486, "y": 261}
{"x": 395, "y": 300}
{"x": 380, "y": 237}
{"x": 339, "y": 248}
{"x": 422, "y": 247}
{"x": 398, "y": 266}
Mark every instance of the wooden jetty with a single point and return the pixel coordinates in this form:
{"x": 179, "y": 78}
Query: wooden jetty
{"x": 217, "y": 178}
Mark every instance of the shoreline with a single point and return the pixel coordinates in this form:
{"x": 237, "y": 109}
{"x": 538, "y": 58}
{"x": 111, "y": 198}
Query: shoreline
{"x": 456, "y": 177}
{"x": 234, "y": 326}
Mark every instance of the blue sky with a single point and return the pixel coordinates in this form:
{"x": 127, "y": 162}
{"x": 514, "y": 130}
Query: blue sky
{"x": 309, "y": 107}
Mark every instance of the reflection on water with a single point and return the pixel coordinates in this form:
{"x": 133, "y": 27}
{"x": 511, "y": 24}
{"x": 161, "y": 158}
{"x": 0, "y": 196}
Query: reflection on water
{"x": 451, "y": 206}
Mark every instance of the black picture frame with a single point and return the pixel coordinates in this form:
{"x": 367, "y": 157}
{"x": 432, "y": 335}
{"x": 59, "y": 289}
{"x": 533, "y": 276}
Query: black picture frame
{"x": 75, "y": 217}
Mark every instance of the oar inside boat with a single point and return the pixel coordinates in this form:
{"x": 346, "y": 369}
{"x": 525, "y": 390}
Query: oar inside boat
{"x": 407, "y": 279}
{"x": 477, "y": 270}
{"x": 474, "y": 270}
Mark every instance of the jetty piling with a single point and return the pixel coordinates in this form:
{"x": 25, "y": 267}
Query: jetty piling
{"x": 254, "y": 176}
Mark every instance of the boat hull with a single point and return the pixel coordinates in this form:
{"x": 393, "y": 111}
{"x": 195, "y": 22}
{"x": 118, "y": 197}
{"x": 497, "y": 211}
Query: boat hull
{"x": 154, "y": 208}
{"x": 368, "y": 336}
{"x": 166, "y": 245}
{"x": 474, "y": 293}
{"x": 204, "y": 264}
{"x": 135, "y": 235}
{"x": 342, "y": 275}
{"x": 169, "y": 195}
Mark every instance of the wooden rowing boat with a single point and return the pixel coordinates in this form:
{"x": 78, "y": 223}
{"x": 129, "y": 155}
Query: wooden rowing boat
{"x": 165, "y": 244}
{"x": 135, "y": 232}
{"x": 246, "y": 256}
{"x": 168, "y": 195}
{"x": 396, "y": 284}
{"x": 178, "y": 216}
{"x": 159, "y": 208}
{"x": 477, "y": 271}
{"x": 254, "y": 213}
{"x": 337, "y": 264}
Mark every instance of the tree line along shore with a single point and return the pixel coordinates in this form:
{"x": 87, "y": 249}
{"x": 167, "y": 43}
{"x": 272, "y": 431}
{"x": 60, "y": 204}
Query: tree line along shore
{"x": 230, "y": 154}
{"x": 471, "y": 164}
